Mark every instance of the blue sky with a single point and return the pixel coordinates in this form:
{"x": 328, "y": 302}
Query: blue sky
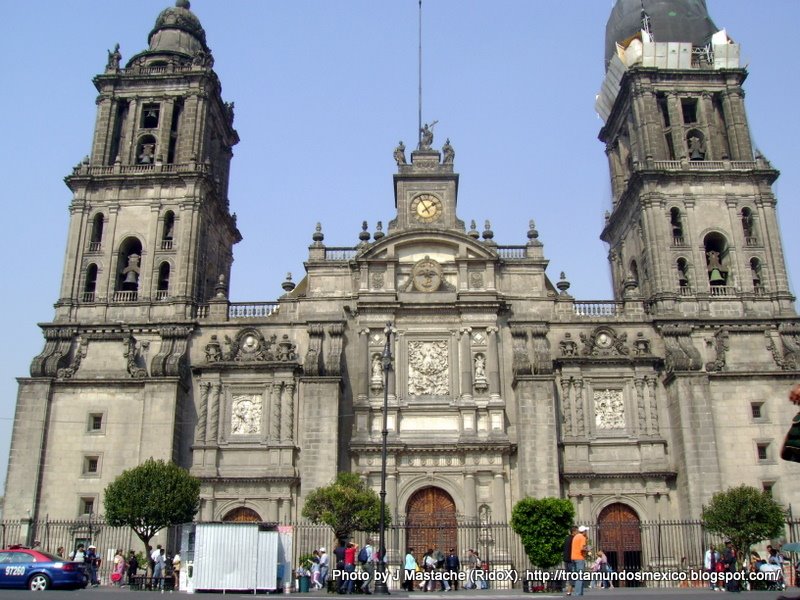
{"x": 324, "y": 90}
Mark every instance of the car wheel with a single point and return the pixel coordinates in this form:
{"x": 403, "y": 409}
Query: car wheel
{"x": 38, "y": 583}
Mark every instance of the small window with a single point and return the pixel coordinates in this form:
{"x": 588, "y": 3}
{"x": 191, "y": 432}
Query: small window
{"x": 91, "y": 465}
{"x": 96, "y": 422}
{"x": 757, "y": 409}
{"x": 86, "y": 505}
{"x": 150, "y": 114}
{"x": 689, "y": 107}
{"x": 768, "y": 486}
{"x": 763, "y": 451}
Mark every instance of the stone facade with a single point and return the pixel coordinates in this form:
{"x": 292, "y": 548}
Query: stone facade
{"x": 502, "y": 385}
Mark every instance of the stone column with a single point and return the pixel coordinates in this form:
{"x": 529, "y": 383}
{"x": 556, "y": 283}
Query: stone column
{"x": 287, "y": 412}
{"x": 715, "y": 149}
{"x": 638, "y": 384}
{"x": 499, "y": 498}
{"x": 676, "y": 128}
{"x": 465, "y": 350}
{"x": 275, "y": 422}
{"x": 391, "y": 495}
{"x": 202, "y": 413}
{"x": 272, "y": 511}
{"x": 470, "y": 500}
{"x": 580, "y": 426}
{"x": 213, "y": 422}
{"x": 363, "y": 371}
{"x": 566, "y": 408}
{"x": 651, "y": 388}
{"x": 643, "y": 108}
{"x": 493, "y": 366}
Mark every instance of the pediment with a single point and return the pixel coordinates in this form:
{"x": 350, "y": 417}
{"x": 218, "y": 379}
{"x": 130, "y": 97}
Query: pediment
{"x": 413, "y": 246}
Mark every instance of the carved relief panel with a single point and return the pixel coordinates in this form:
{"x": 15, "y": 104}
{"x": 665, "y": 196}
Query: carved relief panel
{"x": 609, "y": 410}
{"x": 246, "y": 412}
{"x": 428, "y": 368}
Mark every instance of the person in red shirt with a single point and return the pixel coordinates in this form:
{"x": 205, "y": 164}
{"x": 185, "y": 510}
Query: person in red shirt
{"x": 350, "y": 554}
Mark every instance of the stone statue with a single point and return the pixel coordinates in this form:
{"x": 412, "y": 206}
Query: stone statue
{"x": 114, "y": 59}
{"x": 426, "y": 136}
{"x": 213, "y": 350}
{"x": 400, "y": 154}
{"x": 448, "y": 153}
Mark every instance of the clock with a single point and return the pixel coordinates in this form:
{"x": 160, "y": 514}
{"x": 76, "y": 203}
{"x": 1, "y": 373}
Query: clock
{"x": 426, "y": 208}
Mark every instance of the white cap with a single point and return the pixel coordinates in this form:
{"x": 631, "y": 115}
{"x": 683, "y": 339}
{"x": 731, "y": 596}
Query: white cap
{"x": 582, "y": 528}
{"x": 322, "y": 549}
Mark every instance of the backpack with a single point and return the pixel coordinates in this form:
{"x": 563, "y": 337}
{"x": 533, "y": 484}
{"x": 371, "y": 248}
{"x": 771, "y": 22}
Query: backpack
{"x": 363, "y": 555}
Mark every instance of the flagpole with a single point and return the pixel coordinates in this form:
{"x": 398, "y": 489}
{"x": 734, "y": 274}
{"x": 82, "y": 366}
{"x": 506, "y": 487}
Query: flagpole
{"x": 419, "y": 71}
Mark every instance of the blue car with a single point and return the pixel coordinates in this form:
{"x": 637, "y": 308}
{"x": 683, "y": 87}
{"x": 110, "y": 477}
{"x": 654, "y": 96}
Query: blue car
{"x": 38, "y": 571}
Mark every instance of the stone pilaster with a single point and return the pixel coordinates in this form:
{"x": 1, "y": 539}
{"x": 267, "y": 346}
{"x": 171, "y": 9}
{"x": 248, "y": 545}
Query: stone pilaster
{"x": 493, "y": 366}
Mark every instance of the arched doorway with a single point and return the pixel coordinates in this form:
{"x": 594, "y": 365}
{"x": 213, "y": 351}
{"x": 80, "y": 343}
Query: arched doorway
{"x": 242, "y": 515}
{"x": 619, "y": 536}
{"x": 431, "y": 520}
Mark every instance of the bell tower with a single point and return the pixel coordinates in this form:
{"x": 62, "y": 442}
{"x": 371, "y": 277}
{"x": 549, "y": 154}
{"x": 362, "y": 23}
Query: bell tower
{"x": 693, "y": 217}
{"x": 150, "y": 228}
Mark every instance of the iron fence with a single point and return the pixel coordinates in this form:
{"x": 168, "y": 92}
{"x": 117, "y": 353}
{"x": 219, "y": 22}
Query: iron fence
{"x": 631, "y": 546}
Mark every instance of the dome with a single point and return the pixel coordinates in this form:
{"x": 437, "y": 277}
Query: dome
{"x": 177, "y": 29}
{"x": 670, "y": 21}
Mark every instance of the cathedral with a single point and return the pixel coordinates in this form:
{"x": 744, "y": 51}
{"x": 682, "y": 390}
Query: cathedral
{"x": 501, "y": 384}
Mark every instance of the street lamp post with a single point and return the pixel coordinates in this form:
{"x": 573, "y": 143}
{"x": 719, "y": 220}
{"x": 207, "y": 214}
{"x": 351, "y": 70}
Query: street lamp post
{"x": 381, "y": 587}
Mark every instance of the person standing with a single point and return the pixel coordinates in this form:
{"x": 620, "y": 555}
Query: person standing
{"x": 729, "y": 560}
{"x": 368, "y": 565}
{"x": 338, "y": 552}
{"x": 710, "y": 561}
{"x": 158, "y": 569}
{"x": 93, "y": 562}
{"x": 410, "y": 568}
{"x": 350, "y": 554}
{"x": 452, "y": 566}
{"x": 578, "y": 557}
{"x": 133, "y": 566}
{"x": 567, "y": 555}
{"x": 176, "y": 570}
{"x": 324, "y": 566}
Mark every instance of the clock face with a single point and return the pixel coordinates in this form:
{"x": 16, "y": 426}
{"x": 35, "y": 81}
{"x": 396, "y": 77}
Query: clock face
{"x": 426, "y": 208}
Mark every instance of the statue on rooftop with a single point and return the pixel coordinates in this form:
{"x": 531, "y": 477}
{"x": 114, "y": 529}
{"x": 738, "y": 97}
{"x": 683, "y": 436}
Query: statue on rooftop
{"x": 114, "y": 59}
{"x": 448, "y": 153}
{"x": 426, "y": 136}
{"x": 400, "y": 154}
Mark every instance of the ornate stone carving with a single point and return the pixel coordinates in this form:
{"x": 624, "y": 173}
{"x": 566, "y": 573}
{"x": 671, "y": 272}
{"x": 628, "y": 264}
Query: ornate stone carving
{"x": 213, "y": 350}
{"x": 78, "y": 355}
{"x": 720, "y": 345}
{"x": 542, "y": 360}
{"x": 170, "y": 361}
{"x": 481, "y": 383}
{"x": 476, "y": 280}
{"x": 681, "y": 355}
{"x": 312, "y": 361}
{"x": 202, "y": 413}
{"x": 286, "y": 350}
{"x": 641, "y": 345}
{"x": 246, "y": 414}
{"x": 376, "y": 370}
{"x": 638, "y": 384}
{"x": 566, "y": 406}
{"x": 609, "y": 410}
{"x": 400, "y": 154}
{"x": 427, "y": 368}
{"x": 426, "y": 275}
{"x": 521, "y": 361}
{"x": 333, "y": 365}
{"x": 604, "y": 342}
{"x": 377, "y": 280}
{"x": 54, "y": 355}
{"x": 788, "y": 356}
{"x": 568, "y": 346}
{"x": 651, "y": 389}
{"x": 132, "y": 353}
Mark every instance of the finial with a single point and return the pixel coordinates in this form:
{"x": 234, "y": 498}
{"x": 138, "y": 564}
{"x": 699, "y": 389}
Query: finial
{"x": 473, "y": 230}
{"x": 378, "y": 231}
{"x": 533, "y": 234}
{"x": 563, "y": 284}
{"x": 221, "y": 288}
{"x": 288, "y": 285}
{"x": 488, "y": 234}
{"x": 364, "y": 235}
{"x": 183, "y": 4}
{"x": 318, "y": 236}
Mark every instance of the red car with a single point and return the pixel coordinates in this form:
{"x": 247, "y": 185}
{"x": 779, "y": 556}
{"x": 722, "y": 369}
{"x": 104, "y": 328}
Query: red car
{"x": 37, "y": 570}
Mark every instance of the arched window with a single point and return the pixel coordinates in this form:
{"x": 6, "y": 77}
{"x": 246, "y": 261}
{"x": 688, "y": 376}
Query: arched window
{"x": 755, "y": 272}
{"x": 696, "y": 144}
{"x": 90, "y": 285}
{"x": 748, "y": 227}
{"x": 677, "y": 226}
{"x": 163, "y": 281}
{"x": 168, "y": 231}
{"x": 146, "y": 150}
{"x": 128, "y": 270}
{"x": 683, "y": 274}
{"x": 716, "y": 249}
{"x": 96, "y": 239}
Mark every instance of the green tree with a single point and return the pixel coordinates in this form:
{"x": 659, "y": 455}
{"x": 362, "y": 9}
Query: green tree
{"x": 150, "y": 497}
{"x": 542, "y": 524}
{"x": 346, "y": 505}
{"x": 745, "y": 516}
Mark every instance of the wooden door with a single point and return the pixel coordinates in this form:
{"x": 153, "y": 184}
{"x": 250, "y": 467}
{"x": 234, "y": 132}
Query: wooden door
{"x": 620, "y": 537}
{"x": 431, "y": 520}
{"x": 242, "y": 515}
